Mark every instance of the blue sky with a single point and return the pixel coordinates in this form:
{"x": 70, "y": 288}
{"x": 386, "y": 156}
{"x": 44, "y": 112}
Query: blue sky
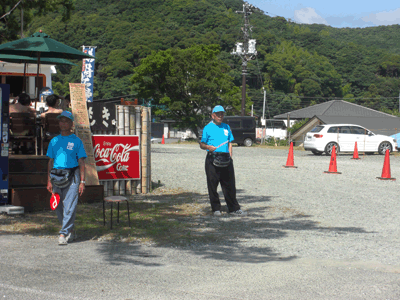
{"x": 339, "y": 13}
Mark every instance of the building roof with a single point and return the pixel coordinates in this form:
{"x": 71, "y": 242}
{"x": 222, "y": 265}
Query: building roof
{"x": 337, "y": 108}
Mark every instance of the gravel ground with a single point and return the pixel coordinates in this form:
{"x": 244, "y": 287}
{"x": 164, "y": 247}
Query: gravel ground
{"x": 307, "y": 235}
{"x": 300, "y": 213}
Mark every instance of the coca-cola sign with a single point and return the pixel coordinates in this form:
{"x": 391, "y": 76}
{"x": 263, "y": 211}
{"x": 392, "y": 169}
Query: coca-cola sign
{"x": 117, "y": 157}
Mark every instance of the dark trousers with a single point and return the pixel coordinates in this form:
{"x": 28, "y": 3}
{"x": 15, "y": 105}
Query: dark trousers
{"x": 225, "y": 176}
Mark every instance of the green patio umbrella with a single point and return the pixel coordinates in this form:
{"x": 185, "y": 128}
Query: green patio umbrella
{"x": 31, "y": 60}
{"x": 18, "y": 59}
{"x": 40, "y": 45}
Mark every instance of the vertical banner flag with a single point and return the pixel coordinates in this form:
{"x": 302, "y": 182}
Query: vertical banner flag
{"x": 88, "y": 72}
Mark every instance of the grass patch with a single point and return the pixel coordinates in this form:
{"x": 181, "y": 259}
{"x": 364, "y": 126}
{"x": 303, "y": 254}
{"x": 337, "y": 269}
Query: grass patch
{"x": 162, "y": 217}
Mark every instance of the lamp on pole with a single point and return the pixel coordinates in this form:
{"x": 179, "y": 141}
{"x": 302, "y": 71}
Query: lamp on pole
{"x": 246, "y": 50}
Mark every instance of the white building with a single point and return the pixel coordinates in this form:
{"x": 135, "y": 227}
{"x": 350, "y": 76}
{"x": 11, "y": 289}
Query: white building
{"x": 13, "y": 74}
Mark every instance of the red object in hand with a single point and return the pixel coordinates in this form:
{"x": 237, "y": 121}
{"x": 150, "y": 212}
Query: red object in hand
{"x": 54, "y": 201}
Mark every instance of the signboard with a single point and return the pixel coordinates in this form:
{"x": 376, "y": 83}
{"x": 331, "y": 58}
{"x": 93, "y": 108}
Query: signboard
{"x": 5, "y": 143}
{"x": 102, "y": 116}
{"x": 117, "y": 157}
{"x": 82, "y": 129}
{"x": 88, "y": 72}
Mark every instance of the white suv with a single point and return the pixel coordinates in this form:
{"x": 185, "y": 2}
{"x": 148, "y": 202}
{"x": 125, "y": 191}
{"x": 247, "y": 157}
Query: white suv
{"x": 343, "y": 136}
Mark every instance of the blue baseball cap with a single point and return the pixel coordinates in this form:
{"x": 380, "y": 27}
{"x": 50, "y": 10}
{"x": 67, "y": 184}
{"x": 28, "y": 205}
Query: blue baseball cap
{"x": 218, "y": 108}
{"x": 66, "y": 114}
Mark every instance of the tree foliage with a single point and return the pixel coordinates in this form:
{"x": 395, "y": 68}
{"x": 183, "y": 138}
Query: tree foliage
{"x": 10, "y": 24}
{"x": 298, "y": 64}
{"x": 187, "y": 82}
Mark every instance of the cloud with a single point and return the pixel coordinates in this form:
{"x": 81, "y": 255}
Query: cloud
{"x": 384, "y": 18}
{"x": 308, "y": 15}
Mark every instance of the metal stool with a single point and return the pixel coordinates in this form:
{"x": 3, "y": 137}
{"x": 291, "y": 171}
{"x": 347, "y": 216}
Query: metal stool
{"x": 118, "y": 200}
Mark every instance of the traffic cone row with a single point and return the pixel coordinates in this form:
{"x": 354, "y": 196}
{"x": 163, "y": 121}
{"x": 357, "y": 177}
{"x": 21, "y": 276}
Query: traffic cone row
{"x": 333, "y": 163}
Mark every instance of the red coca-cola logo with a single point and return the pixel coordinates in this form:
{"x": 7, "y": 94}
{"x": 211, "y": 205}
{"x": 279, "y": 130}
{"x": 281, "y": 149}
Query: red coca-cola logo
{"x": 116, "y": 157}
{"x": 107, "y": 156}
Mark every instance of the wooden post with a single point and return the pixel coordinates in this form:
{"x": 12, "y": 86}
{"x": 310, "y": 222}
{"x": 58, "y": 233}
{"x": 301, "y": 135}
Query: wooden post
{"x": 120, "y": 131}
{"x": 132, "y": 131}
{"x": 148, "y": 151}
{"x": 145, "y": 118}
{"x": 138, "y": 132}
{"x": 132, "y": 120}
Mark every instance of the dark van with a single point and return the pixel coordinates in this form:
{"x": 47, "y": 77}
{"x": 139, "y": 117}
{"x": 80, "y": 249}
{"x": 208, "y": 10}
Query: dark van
{"x": 243, "y": 129}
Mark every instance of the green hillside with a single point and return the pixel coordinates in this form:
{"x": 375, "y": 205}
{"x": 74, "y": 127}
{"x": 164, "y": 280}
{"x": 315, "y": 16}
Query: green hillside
{"x": 298, "y": 65}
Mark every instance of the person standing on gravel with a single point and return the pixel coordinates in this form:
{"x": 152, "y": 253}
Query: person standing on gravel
{"x": 66, "y": 174}
{"x": 217, "y": 141}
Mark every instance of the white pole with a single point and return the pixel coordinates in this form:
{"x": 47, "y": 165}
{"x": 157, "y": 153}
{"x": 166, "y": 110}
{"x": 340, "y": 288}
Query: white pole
{"x": 263, "y": 117}
{"x": 265, "y": 94}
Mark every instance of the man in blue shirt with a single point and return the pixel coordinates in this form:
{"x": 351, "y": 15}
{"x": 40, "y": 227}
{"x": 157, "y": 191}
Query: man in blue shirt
{"x": 66, "y": 152}
{"x": 217, "y": 140}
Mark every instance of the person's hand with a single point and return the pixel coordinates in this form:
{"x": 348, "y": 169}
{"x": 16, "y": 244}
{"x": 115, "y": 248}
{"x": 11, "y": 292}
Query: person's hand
{"x": 49, "y": 186}
{"x": 81, "y": 188}
{"x": 211, "y": 148}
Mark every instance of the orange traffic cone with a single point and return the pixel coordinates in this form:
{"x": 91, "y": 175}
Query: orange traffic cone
{"x": 290, "y": 159}
{"x": 332, "y": 164}
{"x": 386, "y": 168}
{"x": 355, "y": 153}
{"x": 163, "y": 140}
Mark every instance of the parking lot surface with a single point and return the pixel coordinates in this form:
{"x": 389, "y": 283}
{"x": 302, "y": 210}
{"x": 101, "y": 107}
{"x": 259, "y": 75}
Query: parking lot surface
{"x": 307, "y": 235}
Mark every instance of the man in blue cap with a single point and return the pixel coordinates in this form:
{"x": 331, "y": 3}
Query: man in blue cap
{"x": 66, "y": 174}
{"x": 217, "y": 141}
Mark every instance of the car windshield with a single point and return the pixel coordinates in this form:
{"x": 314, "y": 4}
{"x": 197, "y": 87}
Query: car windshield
{"x": 317, "y": 129}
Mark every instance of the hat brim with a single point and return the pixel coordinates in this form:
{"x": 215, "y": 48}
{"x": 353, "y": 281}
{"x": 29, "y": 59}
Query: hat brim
{"x": 60, "y": 116}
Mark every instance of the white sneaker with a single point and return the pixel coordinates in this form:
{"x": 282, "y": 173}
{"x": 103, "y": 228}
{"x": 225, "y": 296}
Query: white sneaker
{"x": 239, "y": 212}
{"x": 62, "y": 241}
{"x": 71, "y": 236}
{"x": 217, "y": 213}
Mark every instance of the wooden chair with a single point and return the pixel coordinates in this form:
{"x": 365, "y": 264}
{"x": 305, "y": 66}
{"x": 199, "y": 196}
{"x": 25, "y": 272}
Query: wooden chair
{"x": 23, "y": 128}
{"x": 50, "y": 128}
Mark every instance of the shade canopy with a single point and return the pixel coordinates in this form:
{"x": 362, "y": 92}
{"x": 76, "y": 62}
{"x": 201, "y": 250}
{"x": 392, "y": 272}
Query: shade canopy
{"x": 41, "y": 45}
{"x": 18, "y": 59}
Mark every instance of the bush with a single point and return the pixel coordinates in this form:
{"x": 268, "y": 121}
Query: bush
{"x": 271, "y": 141}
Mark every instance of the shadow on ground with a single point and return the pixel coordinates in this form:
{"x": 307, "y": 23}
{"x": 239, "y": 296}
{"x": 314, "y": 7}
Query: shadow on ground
{"x": 183, "y": 220}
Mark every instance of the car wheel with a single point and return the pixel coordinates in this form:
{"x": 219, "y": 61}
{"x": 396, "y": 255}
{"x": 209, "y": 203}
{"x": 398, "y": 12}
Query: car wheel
{"x": 329, "y": 146}
{"x": 316, "y": 152}
{"x": 248, "y": 142}
{"x": 383, "y": 147}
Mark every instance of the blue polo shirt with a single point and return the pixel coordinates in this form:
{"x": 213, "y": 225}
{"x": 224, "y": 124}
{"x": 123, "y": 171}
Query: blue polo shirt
{"x": 66, "y": 150}
{"x": 215, "y": 135}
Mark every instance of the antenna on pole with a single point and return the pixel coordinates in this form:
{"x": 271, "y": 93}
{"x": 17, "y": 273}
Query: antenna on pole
{"x": 246, "y": 50}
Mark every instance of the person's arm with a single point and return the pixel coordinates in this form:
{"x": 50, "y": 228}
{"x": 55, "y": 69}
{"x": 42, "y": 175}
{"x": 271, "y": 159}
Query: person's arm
{"x": 230, "y": 148}
{"x": 81, "y": 162}
{"x": 49, "y": 167}
{"x": 204, "y": 146}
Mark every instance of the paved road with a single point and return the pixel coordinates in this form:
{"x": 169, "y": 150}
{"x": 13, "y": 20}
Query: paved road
{"x": 306, "y": 237}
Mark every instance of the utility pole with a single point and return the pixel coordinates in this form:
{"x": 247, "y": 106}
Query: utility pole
{"x": 263, "y": 119}
{"x": 246, "y": 50}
